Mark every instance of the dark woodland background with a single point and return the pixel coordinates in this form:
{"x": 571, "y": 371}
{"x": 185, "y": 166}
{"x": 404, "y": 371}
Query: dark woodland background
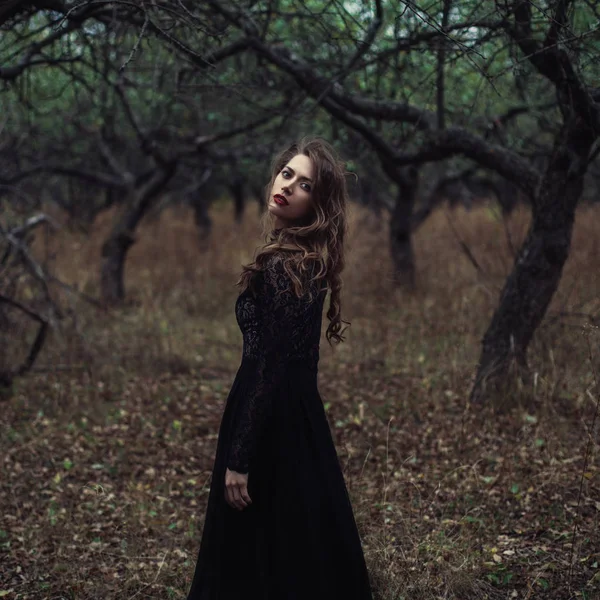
{"x": 135, "y": 141}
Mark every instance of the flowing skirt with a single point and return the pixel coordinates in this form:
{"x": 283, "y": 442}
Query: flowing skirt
{"x": 298, "y": 539}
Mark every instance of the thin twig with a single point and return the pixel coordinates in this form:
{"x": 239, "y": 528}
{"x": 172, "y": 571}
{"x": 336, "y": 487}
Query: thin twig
{"x": 137, "y": 43}
{"x": 155, "y": 577}
{"x": 464, "y": 247}
{"x": 40, "y": 338}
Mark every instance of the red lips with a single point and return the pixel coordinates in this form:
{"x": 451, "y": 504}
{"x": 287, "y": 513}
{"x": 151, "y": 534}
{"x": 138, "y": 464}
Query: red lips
{"x": 280, "y": 198}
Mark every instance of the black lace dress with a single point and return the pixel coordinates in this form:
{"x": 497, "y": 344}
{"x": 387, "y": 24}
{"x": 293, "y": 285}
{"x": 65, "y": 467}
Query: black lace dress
{"x": 298, "y": 539}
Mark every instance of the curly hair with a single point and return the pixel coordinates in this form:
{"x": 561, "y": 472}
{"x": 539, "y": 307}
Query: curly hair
{"x": 318, "y": 238}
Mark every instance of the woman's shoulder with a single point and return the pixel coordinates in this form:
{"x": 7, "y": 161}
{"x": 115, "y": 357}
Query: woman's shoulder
{"x": 273, "y": 263}
{"x": 273, "y": 271}
{"x": 282, "y": 263}
{"x": 284, "y": 278}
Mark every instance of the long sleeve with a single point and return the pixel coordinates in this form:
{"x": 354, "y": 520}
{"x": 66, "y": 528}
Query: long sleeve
{"x": 270, "y": 341}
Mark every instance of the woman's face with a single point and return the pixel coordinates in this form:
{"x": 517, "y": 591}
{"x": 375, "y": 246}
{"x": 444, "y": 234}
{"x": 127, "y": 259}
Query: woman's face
{"x": 291, "y": 196}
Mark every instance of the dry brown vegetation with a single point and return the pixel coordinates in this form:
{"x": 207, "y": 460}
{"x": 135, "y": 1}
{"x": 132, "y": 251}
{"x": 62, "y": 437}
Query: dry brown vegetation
{"x": 107, "y": 448}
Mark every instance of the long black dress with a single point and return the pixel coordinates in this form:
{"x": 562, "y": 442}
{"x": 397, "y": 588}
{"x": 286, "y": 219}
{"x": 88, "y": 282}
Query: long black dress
{"x": 298, "y": 539}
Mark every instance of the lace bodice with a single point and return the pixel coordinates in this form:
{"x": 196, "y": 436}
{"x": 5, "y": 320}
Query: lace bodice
{"x": 277, "y": 328}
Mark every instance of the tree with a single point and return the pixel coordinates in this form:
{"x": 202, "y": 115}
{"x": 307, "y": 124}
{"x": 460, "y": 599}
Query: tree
{"x": 554, "y": 193}
{"x": 418, "y": 84}
{"x": 124, "y": 130}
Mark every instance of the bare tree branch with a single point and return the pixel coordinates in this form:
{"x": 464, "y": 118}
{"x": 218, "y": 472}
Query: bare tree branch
{"x": 553, "y": 62}
{"x": 96, "y": 178}
{"x": 6, "y": 377}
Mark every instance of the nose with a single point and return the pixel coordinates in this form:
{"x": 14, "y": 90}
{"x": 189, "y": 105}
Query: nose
{"x": 285, "y": 188}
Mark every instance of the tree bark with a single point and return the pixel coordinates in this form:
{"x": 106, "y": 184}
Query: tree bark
{"x": 441, "y": 66}
{"x": 401, "y": 228}
{"x": 538, "y": 266}
{"x": 114, "y": 253}
{"x": 122, "y": 236}
{"x": 236, "y": 187}
{"x": 199, "y": 203}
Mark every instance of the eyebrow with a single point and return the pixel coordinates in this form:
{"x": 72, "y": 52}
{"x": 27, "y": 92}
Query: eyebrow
{"x": 301, "y": 176}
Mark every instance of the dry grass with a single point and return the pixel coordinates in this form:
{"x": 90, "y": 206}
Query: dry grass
{"x": 108, "y": 447}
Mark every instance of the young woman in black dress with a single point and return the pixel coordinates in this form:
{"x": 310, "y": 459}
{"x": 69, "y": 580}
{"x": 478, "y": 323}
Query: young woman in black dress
{"x": 279, "y": 523}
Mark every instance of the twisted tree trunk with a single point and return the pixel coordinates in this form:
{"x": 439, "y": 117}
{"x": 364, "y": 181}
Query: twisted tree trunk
{"x": 122, "y": 236}
{"x": 401, "y": 228}
{"x": 236, "y": 187}
{"x": 202, "y": 219}
{"x": 538, "y": 266}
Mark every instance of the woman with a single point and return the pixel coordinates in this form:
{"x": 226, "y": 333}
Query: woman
{"x": 279, "y": 523}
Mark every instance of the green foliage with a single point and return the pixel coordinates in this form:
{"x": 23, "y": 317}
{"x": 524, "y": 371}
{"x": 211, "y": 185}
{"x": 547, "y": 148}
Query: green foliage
{"x": 177, "y": 90}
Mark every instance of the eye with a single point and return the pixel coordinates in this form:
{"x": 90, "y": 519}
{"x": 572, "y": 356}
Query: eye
{"x": 306, "y": 187}
{"x": 285, "y": 173}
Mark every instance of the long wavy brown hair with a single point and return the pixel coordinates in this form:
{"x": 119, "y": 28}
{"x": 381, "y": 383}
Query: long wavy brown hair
{"x": 317, "y": 240}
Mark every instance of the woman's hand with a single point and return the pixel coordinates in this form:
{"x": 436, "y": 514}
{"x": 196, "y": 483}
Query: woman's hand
{"x": 236, "y": 489}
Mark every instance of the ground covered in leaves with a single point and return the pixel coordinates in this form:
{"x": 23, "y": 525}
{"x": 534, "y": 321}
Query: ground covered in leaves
{"x": 107, "y": 448}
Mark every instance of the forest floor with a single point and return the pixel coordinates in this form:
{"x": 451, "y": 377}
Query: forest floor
{"x": 107, "y": 447}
